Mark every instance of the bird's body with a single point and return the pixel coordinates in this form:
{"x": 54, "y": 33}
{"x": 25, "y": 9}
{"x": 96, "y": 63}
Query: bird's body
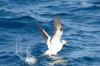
{"x": 54, "y": 49}
{"x": 54, "y": 43}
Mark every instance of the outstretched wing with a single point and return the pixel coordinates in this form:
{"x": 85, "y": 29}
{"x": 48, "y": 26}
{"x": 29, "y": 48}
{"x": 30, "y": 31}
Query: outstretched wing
{"x": 43, "y": 33}
{"x": 57, "y": 29}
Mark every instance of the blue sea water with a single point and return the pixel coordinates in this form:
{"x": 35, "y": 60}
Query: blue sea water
{"x": 81, "y": 26}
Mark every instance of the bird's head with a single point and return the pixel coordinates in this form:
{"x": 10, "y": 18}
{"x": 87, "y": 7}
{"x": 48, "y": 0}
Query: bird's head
{"x": 64, "y": 42}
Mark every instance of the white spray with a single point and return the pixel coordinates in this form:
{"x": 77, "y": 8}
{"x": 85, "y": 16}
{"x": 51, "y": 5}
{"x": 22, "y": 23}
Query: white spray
{"x": 29, "y": 59}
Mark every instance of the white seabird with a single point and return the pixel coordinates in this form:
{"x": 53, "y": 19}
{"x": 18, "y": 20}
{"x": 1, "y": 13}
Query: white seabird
{"x": 54, "y": 43}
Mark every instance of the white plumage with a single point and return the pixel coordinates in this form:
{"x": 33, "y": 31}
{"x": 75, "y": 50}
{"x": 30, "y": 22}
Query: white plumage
{"x": 54, "y": 43}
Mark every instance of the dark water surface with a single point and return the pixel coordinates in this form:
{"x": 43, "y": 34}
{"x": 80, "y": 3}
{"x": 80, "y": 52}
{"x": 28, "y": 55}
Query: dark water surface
{"x": 81, "y": 25}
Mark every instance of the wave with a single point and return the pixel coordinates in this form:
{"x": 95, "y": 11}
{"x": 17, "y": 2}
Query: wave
{"x": 80, "y": 20}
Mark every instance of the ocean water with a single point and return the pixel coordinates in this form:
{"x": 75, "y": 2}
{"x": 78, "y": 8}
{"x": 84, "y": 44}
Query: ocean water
{"x": 81, "y": 26}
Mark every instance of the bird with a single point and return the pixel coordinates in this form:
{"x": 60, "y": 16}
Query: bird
{"x": 54, "y": 43}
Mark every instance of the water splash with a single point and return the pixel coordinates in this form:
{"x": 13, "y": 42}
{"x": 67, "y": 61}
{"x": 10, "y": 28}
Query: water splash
{"x": 19, "y": 51}
{"x": 55, "y": 61}
{"x": 27, "y": 57}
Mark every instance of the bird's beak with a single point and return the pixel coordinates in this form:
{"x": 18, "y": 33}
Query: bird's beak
{"x": 67, "y": 44}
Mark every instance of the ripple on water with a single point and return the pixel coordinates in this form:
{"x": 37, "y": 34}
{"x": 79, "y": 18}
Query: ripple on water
{"x": 80, "y": 20}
